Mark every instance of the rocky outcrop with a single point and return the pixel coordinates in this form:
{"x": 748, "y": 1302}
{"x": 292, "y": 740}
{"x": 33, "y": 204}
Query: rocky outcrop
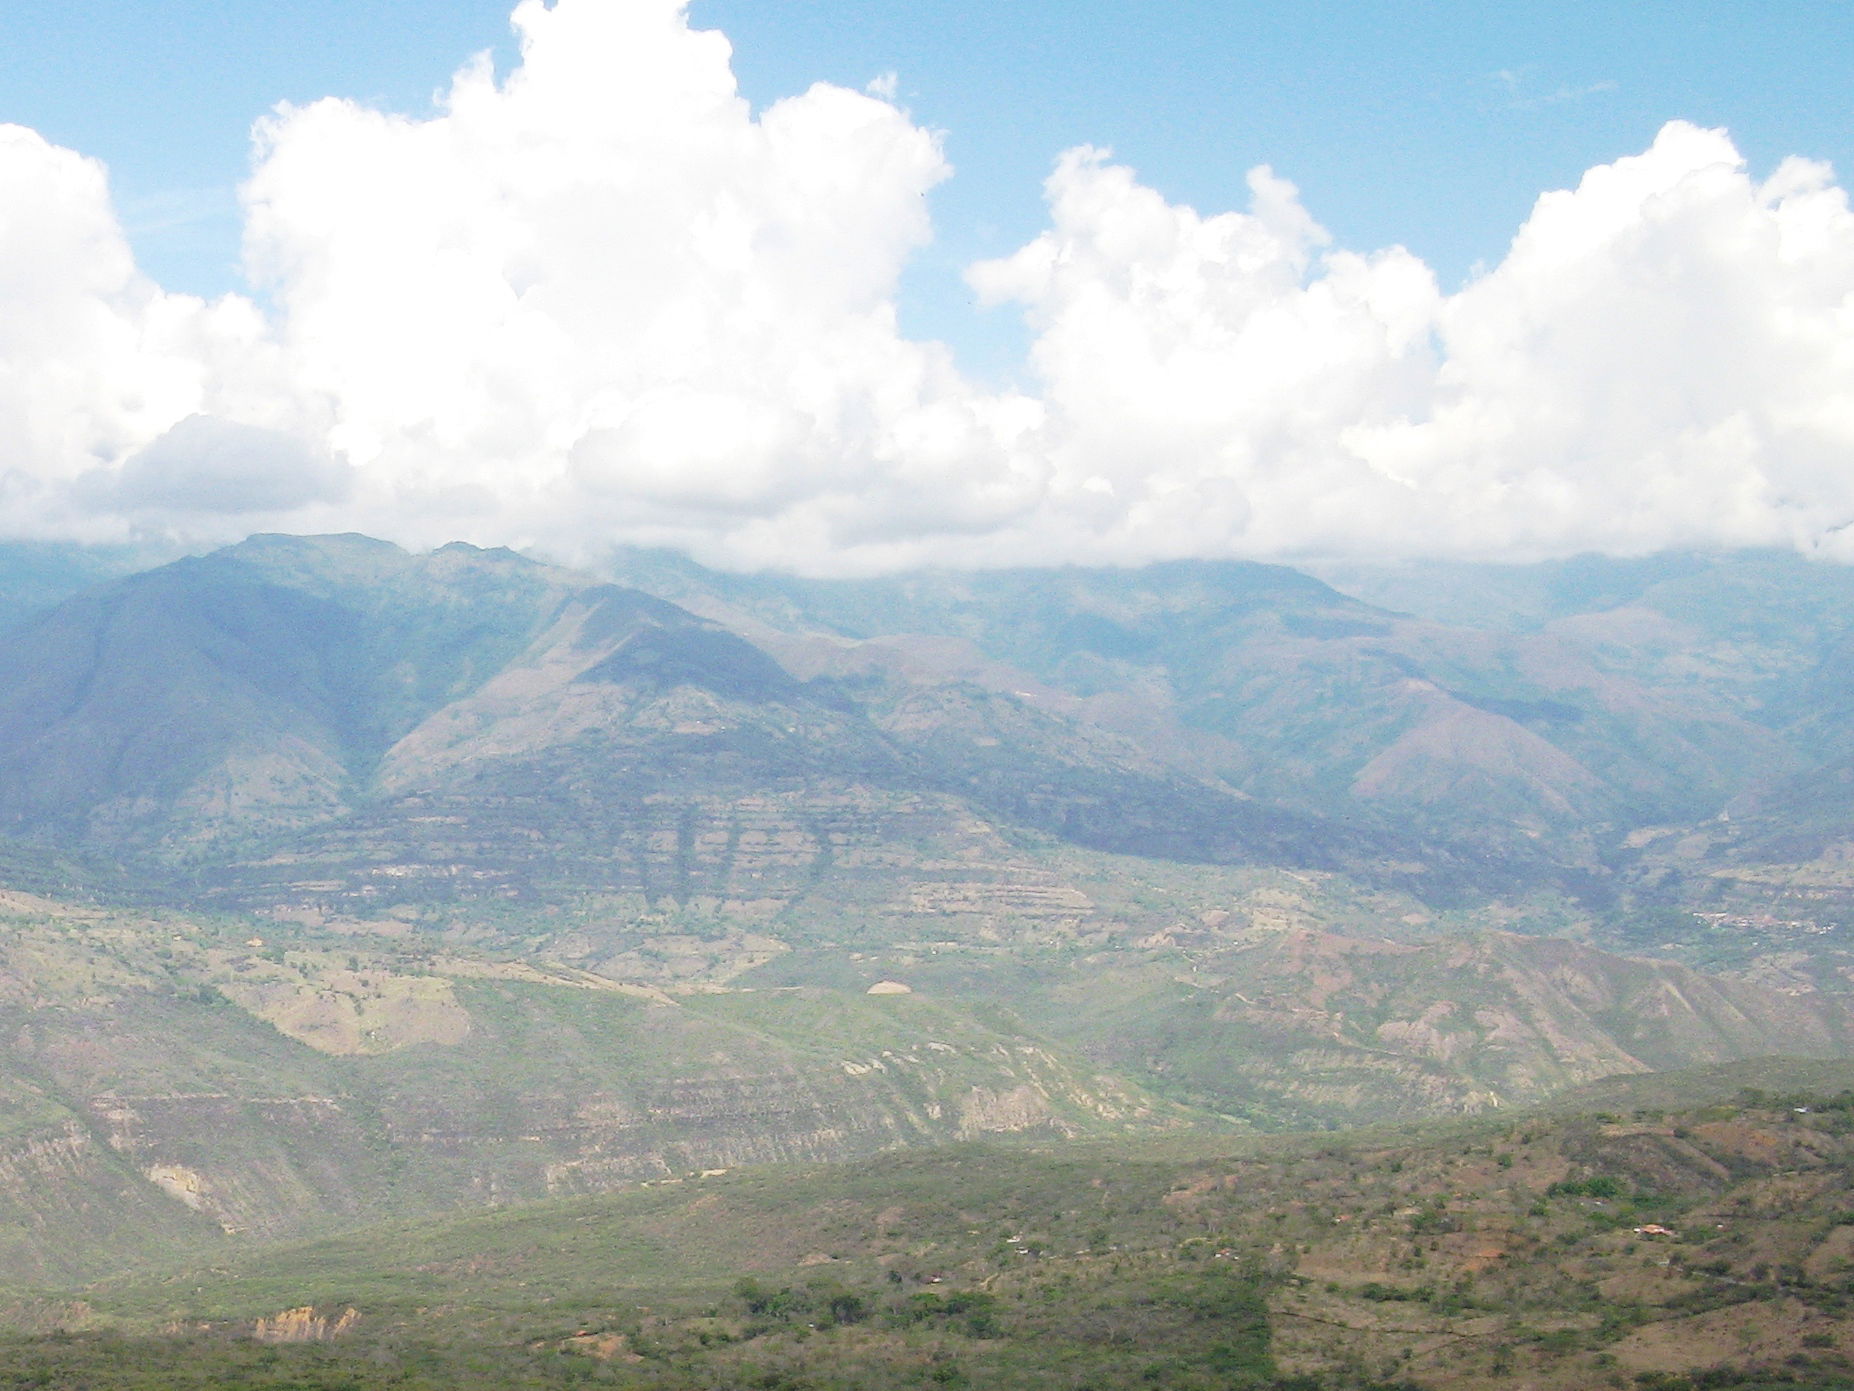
{"x": 304, "y": 1325}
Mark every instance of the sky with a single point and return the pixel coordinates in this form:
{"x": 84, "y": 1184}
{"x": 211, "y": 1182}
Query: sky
{"x": 865, "y": 285}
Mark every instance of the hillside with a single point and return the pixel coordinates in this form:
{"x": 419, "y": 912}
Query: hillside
{"x": 172, "y": 1083}
{"x": 331, "y": 721}
{"x": 1490, "y": 729}
{"x": 178, "y": 1083}
{"x": 1675, "y": 1247}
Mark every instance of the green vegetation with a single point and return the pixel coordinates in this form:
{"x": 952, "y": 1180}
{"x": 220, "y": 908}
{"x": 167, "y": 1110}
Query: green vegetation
{"x": 1709, "y": 1247}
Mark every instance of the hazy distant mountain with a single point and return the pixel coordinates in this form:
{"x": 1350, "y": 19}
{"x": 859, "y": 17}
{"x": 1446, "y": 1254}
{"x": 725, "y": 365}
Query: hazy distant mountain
{"x": 244, "y": 691}
{"x": 299, "y": 712}
{"x": 476, "y": 719}
{"x": 1501, "y": 732}
{"x": 35, "y": 575}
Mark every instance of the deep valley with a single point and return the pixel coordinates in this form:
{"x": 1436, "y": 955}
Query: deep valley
{"x": 358, "y": 902}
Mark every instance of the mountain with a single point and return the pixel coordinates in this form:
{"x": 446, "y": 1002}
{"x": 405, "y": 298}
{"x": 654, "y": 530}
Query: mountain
{"x": 37, "y": 575}
{"x": 341, "y": 885}
{"x": 248, "y": 690}
{"x": 278, "y": 714}
{"x": 301, "y": 723}
{"x": 330, "y": 731}
{"x": 331, "y": 728}
{"x": 1492, "y": 736}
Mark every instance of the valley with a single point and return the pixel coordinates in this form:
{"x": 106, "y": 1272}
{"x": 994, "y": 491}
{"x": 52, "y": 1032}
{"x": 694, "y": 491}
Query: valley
{"x": 349, "y": 895}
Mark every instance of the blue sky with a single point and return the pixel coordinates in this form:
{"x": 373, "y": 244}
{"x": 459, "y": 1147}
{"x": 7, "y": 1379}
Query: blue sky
{"x": 1525, "y": 281}
{"x": 1427, "y": 124}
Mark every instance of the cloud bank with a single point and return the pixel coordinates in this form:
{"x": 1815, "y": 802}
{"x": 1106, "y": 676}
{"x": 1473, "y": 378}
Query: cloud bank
{"x": 600, "y": 301}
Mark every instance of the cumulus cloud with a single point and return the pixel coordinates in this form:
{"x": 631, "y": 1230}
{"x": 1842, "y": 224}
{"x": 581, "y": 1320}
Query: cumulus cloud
{"x": 1665, "y": 357}
{"x": 600, "y": 299}
{"x": 208, "y": 465}
{"x": 95, "y": 361}
{"x": 604, "y": 299}
{"x": 1662, "y": 359}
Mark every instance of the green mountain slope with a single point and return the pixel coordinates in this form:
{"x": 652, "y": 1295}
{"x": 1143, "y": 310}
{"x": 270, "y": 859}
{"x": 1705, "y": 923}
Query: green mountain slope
{"x": 287, "y": 711}
{"x": 294, "y": 712}
{"x": 214, "y": 709}
{"x": 244, "y": 692}
{"x": 1304, "y": 1028}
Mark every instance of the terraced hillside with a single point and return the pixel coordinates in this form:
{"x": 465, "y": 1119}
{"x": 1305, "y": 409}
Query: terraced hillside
{"x": 173, "y": 1082}
{"x": 169, "y": 1083}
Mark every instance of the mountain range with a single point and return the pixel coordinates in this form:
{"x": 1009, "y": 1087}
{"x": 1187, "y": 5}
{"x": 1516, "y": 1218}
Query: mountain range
{"x": 343, "y": 883}
{"x": 270, "y": 716}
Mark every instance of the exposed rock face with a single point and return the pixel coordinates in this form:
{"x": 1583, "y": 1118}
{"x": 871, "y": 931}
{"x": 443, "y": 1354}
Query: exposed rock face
{"x": 984, "y": 1112}
{"x": 304, "y": 1325}
{"x": 180, "y": 1183}
{"x": 350, "y": 1013}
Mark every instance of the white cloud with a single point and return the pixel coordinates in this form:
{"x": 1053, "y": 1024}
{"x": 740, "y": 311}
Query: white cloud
{"x": 94, "y": 359}
{"x": 1664, "y": 358}
{"x": 212, "y": 466}
{"x": 602, "y": 300}
{"x": 98, "y": 366}
{"x": 1199, "y": 371}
